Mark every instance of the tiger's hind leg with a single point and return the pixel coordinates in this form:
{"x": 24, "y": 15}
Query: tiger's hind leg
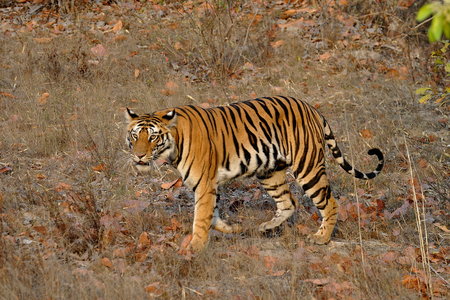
{"x": 220, "y": 225}
{"x": 316, "y": 186}
{"x": 277, "y": 187}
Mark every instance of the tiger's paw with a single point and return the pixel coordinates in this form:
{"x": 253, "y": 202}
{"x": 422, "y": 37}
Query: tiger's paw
{"x": 318, "y": 239}
{"x": 235, "y": 228}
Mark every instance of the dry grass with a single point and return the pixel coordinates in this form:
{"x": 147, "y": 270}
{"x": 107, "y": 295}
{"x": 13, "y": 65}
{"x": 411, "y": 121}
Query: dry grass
{"x": 55, "y": 236}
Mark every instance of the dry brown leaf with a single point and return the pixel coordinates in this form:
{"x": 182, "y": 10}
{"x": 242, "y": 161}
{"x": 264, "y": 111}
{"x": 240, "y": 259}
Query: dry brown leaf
{"x": 442, "y": 227}
{"x": 61, "y": 186}
{"x": 204, "y": 105}
{"x": 99, "y": 50}
{"x": 99, "y": 168}
{"x": 154, "y": 289}
{"x": 133, "y": 53}
{"x": 270, "y": 261}
{"x": 395, "y": 232}
{"x": 325, "y": 56}
{"x": 366, "y": 133}
{"x": 277, "y": 44}
{"x": 170, "y": 85}
{"x": 41, "y": 229}
{"x": 423, "y": 163}
{"x": 136, "y": 73}
{"x": 185, "y": 243}
{"x": 119, "y": 38}
{"x": 117, "y": 26}
{"x": 106, "y": 262}
{"x": 143, "y": 240}
{"x": 7, "y": 95}
{"x": 176, "y": 183}
{"x": 165, "y": 92}
{"x": 6, "y": 170}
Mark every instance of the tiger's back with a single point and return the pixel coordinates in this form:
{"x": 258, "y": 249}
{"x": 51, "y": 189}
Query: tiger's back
{"x": 261, "y": 137}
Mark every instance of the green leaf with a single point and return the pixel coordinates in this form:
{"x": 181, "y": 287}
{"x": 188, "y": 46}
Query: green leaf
{"x": 422, "y": 91}
{"x": 425, "y": 98}
{"x": 439, "y": 61}
{"x": 447, "y": 30}
{"x": 424, "y": 12}
{"x": 447, "y": 68}
{"x": 435, "y": 30}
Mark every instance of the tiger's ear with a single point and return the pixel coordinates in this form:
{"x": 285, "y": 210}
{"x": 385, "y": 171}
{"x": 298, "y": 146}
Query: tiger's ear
{"x": 171, "y": 118}
{"x": 130, "y": 115}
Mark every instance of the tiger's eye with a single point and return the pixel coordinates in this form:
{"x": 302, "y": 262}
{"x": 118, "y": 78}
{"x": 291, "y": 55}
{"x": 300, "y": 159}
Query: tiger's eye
{"x": 152, "y": 137}
{"x": 135, "y": 136}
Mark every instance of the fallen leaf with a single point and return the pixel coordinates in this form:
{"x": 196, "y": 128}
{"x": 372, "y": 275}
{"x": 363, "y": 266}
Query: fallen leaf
{"x": 315, "y": 216}
{"x": 185, "y": 243}
{"x": 442, "y": 227}
{"x": 305, "y": 230}
{"x": 277, "y": 44}
{"x": 175, "y": 224}
{"x": 110, "y": 223}
{"x": 389, "y": 257}
{"x": 43, "y": 98}
{"x": 204, "y": 105}
{"x": 342, "y": 214}
{"x": 41, "y": 229}
{"x": 325, "y": 56}
{"x": 118, "y": 38}
{"x": 117, "y": 26}
{"x": 143, "y": 240}
{"x": 61, "y": 186}
{"x": 154, "y": 289}
{"x": 106, "y": 262}
{"x": 7, "y": 95}
{"x": 99, "y": 168}
{"x": 395, "y": 232}
{"x": 133, "y": 53}
{"x": 212, "y": 290}
{"x": 6, "y": 170}
{"x": 366, "y": 133}
{"x": 423, "y": 163}
{"x": 170, "y": 85}
{"x": 165, "y": 92}
{"x": 176, "y": 183}
{"x": 136, "y": 73}
{"x": 253, "y": 251}
{"x": 99, "y": 50}
{"x": 270, "y": 261}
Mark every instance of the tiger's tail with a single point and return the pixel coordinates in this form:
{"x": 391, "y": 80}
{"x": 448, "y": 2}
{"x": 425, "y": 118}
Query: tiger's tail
{"x": 331, "y": 142}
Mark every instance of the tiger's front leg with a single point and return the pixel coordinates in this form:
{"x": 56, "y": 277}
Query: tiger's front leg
{"x": 205, "y": 202}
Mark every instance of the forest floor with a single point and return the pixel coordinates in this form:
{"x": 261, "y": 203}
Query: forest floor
{"x": 77, "y": 222}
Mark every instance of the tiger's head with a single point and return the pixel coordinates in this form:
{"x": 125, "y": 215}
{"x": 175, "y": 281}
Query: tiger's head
{"x": 150, "y": 138}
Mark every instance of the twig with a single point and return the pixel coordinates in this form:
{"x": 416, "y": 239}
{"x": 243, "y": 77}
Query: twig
{"x": 356, "y": 195}
{"x": 423, "y": 250}
{"x": 448, "y": 283}
{"x": 192, "y": 290}
{"x": 428, "y": 20}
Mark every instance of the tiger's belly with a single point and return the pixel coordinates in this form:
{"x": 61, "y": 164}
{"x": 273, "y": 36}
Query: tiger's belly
{"x": 258, "y": 165}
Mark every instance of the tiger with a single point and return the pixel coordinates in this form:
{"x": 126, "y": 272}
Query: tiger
{"x": 262, "y": 137}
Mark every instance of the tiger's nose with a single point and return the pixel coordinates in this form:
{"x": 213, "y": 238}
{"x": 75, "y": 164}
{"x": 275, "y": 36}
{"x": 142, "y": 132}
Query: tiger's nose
{"x": 139, "y": 155}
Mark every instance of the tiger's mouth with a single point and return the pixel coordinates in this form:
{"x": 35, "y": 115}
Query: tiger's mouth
{"x": 143, "y": 163}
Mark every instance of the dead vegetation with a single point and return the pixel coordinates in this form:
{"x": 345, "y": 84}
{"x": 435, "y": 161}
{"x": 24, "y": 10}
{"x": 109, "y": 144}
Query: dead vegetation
{"x": 77, "y": 222}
